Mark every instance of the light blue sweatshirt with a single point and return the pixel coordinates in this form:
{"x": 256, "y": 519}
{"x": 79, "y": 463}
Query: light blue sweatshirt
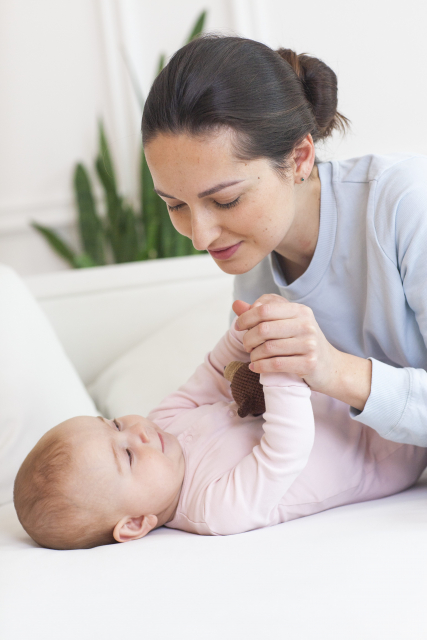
{"x": 367, "y": 283}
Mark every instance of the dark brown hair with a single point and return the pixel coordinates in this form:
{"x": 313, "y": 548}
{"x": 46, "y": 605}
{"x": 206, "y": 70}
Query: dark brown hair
{"x": 270, "y": 99}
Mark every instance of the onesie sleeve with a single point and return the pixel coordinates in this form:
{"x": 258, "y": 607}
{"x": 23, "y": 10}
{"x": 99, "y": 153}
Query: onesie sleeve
{"x": 207, "y": 385}
{"x": 247, "y": 496}
{"x": 397, "y": 405}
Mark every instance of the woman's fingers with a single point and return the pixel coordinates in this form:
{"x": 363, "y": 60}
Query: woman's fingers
{"x": 273, "y": 330}
{"x": 267, "y": 311}
{"x": 284, "y": 336}
{"x": 299, "y": 365}
{"x": 270, "y": 297}
{"x": 281, "y": 336}
{"x": 288, "y": 347}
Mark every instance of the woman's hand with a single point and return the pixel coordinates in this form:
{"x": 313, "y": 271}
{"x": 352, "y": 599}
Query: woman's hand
{"x": 284, "y": 336}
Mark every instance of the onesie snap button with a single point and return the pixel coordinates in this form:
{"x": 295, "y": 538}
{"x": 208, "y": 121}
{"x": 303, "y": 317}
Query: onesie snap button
{"x": 231, "y": 413}
{"x": 188, "y": 438}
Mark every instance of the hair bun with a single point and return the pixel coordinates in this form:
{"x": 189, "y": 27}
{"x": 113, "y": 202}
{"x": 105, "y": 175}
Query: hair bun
{"x": 321, "y": 90}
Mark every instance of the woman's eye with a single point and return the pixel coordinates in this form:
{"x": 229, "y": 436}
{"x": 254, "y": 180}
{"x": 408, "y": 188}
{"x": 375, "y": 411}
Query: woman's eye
{"x": 116, "y": 424}
{"x": 175, "y": 208}
{"x": 228, "y": 205}
{"x": 130, "y": 455}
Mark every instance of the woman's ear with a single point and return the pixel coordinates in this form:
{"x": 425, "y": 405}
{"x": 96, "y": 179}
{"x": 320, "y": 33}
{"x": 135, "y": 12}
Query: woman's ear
{"x": 133, "y": 528}
{"x": 304, "y": 156}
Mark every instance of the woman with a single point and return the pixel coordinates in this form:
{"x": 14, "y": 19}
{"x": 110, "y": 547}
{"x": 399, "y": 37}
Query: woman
{"x": 330, "y": 272}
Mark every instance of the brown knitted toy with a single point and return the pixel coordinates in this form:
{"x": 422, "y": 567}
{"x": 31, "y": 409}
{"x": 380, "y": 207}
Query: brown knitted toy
{"x": 246, "y": 389}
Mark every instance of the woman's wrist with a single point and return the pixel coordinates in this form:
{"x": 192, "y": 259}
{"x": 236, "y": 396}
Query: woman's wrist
{"x": 349, "y": 381}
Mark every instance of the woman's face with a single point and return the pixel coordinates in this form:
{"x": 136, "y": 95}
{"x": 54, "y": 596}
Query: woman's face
{"x": 237, "y": 210}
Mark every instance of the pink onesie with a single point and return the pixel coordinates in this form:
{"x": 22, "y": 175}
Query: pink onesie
{"x": 301, "y": 457}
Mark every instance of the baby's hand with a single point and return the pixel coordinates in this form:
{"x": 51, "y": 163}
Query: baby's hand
{"x": 240, "y": 307}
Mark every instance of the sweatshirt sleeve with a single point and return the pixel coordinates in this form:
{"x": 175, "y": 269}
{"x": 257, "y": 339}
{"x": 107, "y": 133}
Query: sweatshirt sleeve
{"x": 247, "y": 496}
{"x": 397, "y": 405}
{"x": 207, "y": 385}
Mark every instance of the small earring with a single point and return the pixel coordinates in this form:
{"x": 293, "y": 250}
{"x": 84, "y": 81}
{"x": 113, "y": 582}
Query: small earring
{"x": 302, "y": 179}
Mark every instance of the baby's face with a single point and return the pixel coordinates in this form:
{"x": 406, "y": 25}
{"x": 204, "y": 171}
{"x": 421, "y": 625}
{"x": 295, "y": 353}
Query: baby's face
{"x": 128, "y": 465}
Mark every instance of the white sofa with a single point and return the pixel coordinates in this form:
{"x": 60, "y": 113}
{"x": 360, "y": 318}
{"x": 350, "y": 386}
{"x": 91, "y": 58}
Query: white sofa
{"x": 357, "y": 572}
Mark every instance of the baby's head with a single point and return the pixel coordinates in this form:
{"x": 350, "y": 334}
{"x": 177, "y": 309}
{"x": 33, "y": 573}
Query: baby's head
{"x": 92, "y": 481}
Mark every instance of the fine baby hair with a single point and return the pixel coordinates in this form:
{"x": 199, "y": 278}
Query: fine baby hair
{"x": 45, "y": 503}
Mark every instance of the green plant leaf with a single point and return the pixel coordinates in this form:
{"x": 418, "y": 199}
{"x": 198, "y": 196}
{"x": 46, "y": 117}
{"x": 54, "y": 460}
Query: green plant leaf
{"x": 128, "y": 234}
{"x": 122, "y": 223}
{"x": 183, "y": 245}
{"x": 83, "y": 261}
{"x": 168, "y": 233}
{"x": 149, "y": 213}
{"x": 90, "y": 225}
{"x": 105, "y": 156}
{"x": 198, "y": 27}
{"x": 161, "y": 63}
{"x": 57, "y": 244}
{"x": 114, "y": 202}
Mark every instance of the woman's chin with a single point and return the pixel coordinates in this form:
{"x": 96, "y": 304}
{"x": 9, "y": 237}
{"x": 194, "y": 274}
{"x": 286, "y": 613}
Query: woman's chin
{"x": 241, "y": 262}
{"x": 237, "y": 264}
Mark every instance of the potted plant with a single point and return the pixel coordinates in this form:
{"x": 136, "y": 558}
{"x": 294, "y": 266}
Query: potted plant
{"x": 123, "y": 234}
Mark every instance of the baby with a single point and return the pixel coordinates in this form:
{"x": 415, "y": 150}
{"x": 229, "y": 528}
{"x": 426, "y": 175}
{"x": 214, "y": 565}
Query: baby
{"x": 195, "y": 465}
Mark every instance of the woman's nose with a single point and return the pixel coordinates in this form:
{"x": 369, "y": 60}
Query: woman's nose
{"x": 204, "y": 230}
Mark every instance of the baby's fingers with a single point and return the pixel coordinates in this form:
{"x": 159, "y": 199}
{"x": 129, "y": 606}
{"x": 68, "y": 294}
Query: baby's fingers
{"x": 239, "y": 307}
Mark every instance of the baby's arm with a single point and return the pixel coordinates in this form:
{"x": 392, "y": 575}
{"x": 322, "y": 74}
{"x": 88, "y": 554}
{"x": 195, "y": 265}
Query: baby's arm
{"x": 246, "y": 497}
{"x": 207, "y": 385}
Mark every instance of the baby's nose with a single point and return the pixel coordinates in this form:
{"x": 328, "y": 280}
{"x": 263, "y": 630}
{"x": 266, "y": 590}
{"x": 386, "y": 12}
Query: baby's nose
{"x": 144, "y": 437}
{"x": 140, "y": 433}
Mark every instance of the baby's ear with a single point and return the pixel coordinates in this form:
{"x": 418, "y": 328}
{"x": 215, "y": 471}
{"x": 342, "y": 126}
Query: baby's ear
{"x": 133, "y": 528}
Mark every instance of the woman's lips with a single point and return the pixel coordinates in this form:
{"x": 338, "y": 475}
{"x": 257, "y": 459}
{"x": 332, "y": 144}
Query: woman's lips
{"x": 224, "y": 254}
{"x": 162, "y": 442}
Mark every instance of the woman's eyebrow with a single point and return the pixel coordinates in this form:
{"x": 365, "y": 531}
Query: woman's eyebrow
{"x": 218, "y": 187}
{"x": 203, "y": 194}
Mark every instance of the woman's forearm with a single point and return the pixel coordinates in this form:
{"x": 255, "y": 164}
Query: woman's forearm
{"x": 349, "y": 380}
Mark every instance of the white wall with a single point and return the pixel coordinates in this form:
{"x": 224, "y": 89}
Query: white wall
{"x": 377, "y": 48}
{"x": 61, "y": 68}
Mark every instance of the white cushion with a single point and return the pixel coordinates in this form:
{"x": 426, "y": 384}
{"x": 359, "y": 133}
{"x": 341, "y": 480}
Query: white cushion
{"x": 38, "y": 385}
{"x": 157, "y": 366}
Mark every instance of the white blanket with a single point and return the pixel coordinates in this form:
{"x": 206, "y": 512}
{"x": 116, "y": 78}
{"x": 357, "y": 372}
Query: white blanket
{"x": 353, "y": 573}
